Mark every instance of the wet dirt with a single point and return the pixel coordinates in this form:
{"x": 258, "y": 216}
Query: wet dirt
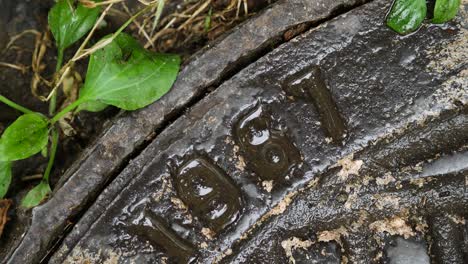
{"x": 396, "y": 122}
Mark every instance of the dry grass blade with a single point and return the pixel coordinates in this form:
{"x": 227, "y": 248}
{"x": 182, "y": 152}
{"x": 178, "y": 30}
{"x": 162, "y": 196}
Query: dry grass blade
{"x": 99, "y": 45}
{"x": 32, "y": 177}
{"x": 70, "y": 6}
{"x": 59, "y": 82}
{"x": 157, "y": 16}
{"x": 141, "y": 28}
{"x": 22, "y": 68}
{"x": 90, "y": 34}
{"x": 161, "y": 32}
{"x": 195, "y": 24}
{"x": 40, "y": 48}
{"x": 246, "y": 7}
{"x": 92, "y": 4}
{"x": 195, "y": 14}
{"x": 145, "y": 3}
{"x": 20, "y": 35}
{"x": 239, "y": 2}
{"x": 4, "y": 206}
{"x": 81, "y": 52}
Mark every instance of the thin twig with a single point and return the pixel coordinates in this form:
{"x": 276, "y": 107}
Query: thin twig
{"x": 157, "y": 16}
{"x": 62, "y": 77}
{"x": 238, "y": 8}
{"x": 19, "y": 67}
{"x": 246, "y": 7}
{"x": 90, "y": 34}
{"x": 40, "y": 49}
{"x": 145, "y": 3}
{"x": 138, "y": 25}
{"x": 20, "y": 35}
{"x": 93, "y": 4}
{"x": 198, "y": 11}
{"x": 104, "y": 42}
{"x": 32, "y": 177}
{"x": 161, "y": 32}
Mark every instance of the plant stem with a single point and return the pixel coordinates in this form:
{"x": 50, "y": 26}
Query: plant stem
{"x": 53, "y": 100}
{"x": 53, "y": 151}
{"x": 55, "y": 134}
{"x": 14, "y": 105}
{"x": 64, "y": 111}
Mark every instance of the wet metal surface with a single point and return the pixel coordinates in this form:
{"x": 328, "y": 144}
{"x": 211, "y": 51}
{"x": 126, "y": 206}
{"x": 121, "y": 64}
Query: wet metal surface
{"x": 208, "y": 192}
{"x": 264, "y": 146}
{"x": 131, "y": 132}
{"x": 153, "y": 228}
{"x": 310, "y": 84}
{"x": 288, "y": 190}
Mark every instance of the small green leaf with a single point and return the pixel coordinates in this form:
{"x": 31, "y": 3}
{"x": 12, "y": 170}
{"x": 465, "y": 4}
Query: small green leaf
{"x": 27, "y": 136}
{"x": 125, "y": 75}
{"x": 208, "y": 20}
{"x": 68, "y": 24}
{"x": 445, "y": 10}
{"x": 157, "y": 16}
{"x": 92, "y": 106}
{"x": 407, "y": 15}
{"x": 36, "y": 195}
{"x": 5, "y": 178}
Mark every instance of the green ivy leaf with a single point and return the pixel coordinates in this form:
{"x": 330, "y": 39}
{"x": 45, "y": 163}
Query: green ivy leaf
{"x": 5, "y": 178}
{"x": 407, "y": 15}
{"x": 445, "y": 10}
{"x": 36, "y": 195}
{"x": 92, "y": 106}
{"x": 125, "y": 75}
{"x": 27, "y": 136}
{"x": 68, "y": 24}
